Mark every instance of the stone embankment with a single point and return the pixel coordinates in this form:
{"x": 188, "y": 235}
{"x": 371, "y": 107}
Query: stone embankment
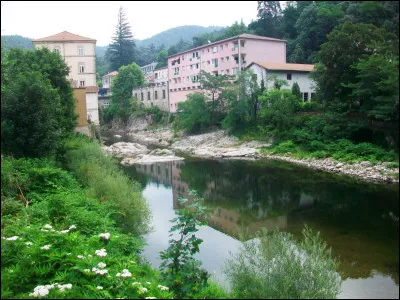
{"x": 133, "y": 153}
{"x": 219, "y": 144}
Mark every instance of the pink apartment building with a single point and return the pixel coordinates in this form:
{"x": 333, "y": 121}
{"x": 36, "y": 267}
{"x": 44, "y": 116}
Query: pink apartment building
{"x": 223, "y": 57}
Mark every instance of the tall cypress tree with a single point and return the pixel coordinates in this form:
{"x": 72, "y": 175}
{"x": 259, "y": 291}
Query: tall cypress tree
{"x": 121, "y": 51}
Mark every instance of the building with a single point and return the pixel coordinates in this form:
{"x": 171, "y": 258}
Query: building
{"x": 105, "y": 90}
{"x": 149, "y": 68}
{"x": 79, "y": 53}
{"x": 155, "y": 92}
{"x": 223, "y": 57}
{"x": 108, "y": 78}
{"x": 290, "y": 72}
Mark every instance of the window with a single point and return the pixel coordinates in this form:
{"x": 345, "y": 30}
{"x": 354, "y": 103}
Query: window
{"x": 155, "y": 75}
{"x": 215, "y": 62}
{"x": 226, "y": 45}
{"x": 242, "y": 44}
{"x": 106, "y": 80}
{"x": 305, "y": 97}
{"x": 227, "y": 71}
{"x": 289, "y": 76}
{"x": 148, "y": 95}
{"x": 57, "y": 49}
{"x": 82, "y": 83}
{"x": 254, "y": 76}
{"x": 80, "y": 51}
{"x": 136, "y": 95}
{"x": 222, "y": 59}
{"x": 227, "y": 58}
{"x": 81, "y": 68}
{"x": 215, "y": 49}
{"x": 155, "y": 95}
{"x": 312, "y": 96}
{"x": 197, "y": 66}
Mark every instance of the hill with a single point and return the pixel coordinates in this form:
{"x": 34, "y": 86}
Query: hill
{"x": 16, "y": 41}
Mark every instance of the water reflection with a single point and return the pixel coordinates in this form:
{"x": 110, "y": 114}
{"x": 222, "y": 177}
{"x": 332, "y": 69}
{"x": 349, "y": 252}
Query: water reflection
{"x": 356, "y": 219}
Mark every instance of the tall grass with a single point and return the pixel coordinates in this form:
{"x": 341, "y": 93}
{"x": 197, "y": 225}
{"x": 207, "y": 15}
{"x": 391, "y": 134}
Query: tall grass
{"x": 104, "y": 180}
{"x": 276, "y": 266}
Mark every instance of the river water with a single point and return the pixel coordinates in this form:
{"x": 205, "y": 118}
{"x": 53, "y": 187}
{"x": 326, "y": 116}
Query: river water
{"x": 359, "y": 221}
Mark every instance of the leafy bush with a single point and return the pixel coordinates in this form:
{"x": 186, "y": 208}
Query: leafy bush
{"x": 284, "y": 147}
{"x": 275, "y": 266}
{"x": 104, "y": 180}
{"x": 179, "y": 268}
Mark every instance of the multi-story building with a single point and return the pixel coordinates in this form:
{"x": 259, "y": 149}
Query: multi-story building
{"x": 155, "y": 92}
{"x": 149, "y": 68}
{"x": 108, "y": 79}
{"x": 223, "y": 57}
{"x": 79, "y": 53}
{"x": 290, "y": 72}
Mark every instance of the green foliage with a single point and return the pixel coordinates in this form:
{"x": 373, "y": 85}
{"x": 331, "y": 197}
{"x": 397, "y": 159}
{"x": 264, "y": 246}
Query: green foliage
{"x": 180, "y": 270}
{"x": 16, "y": 41}
{"x": 128, "y": 78}
{"x": 37, "y": 103}
{"x": 296, "y": 90}
{"x": 121, "y": 51}
{"x": 70, "y": 223}
{"x": 105, "y": 181}
{"x": 30, "y": 111}
{"x": 276, "y": 266}
{"x": 193, "y": 115}
{"x": 162, "y": 59}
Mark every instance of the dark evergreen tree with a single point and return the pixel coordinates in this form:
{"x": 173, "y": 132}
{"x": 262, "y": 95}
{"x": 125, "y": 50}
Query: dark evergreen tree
{"x": 121, "y": 51}
{"x": 296, "y": 90}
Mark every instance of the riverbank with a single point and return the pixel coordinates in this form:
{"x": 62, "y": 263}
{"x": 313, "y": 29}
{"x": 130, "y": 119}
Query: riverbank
{"x": 218, "y": 144}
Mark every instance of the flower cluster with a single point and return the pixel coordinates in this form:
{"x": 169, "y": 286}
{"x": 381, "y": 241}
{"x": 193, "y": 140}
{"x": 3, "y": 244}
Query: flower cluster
{"x": 101, "y": 265}
{"x": 142, "y": 290}
{"x": 99, "y": 287}
{"x": 43, "y": 290}
{"x": 63, "y": 287}
{"x": 13, "y": 238}
{"x": 150, "y": 297}
{"x": 45, "y": 247}
{"x": 47, "y": 226}
{"x": 80, "y": 257}
{"x": 101, "y": 252}
{"x": 125, "y": 273}
{"x": 29, "y": 243}
{"x": 105, "y": 236}
{"x": 162, "y": 287}
{"x": 98, "y": 271}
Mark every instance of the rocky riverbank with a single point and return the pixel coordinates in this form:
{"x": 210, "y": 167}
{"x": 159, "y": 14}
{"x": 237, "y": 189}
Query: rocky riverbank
{"x": 219, "y": 144}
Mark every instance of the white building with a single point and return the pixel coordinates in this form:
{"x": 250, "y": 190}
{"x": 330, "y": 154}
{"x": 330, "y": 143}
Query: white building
{"x": 79, "y": 53}
{"x": 148, "y": 68}
{"x": 290, "y": 72}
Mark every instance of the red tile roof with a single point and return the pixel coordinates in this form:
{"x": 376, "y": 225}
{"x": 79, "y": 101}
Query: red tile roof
{"x": 64, "y": 37}
{"x": 113, "y": 73}
{"x": 285, "y": 66}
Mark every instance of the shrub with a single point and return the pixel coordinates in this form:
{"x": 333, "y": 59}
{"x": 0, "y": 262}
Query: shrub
{"x": 284, "y": 147}
{"x": 276, "y": 266}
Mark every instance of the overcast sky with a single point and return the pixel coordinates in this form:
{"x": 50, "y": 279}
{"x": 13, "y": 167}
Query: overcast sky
{"x": 97, "y": 20}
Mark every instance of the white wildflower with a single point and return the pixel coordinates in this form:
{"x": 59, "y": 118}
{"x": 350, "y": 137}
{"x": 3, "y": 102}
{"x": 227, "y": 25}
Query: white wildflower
{"x": 135, "y": 283}
{"x": 86, "y": 270}
{"x": 44, "y": 230}
{"x": 47, "y": 226}
{"x": 69, "y": 253}
{"x": 45, "y": 247}
{"x": 125, "y": 273}
{"x": 99, "y": 287}
{"x": 72, "y": 227}
{"x": 150, "y": 298}
{"x": 90, "y": 256}
{"x": 148, "y": 282}
{"x": 101, "y": 265}
{"x": 13, "y": 238}
{"x": 80, "y": 257}
{"x": 64, "y": 231}
{"x": 162, "y": 287}
{"x": 101, "y": 252}
{"x": 29, "y": 243}
{"x": 63, "y": 287}
{"x": 39, "y": 291}
{"x": 142, "y": 290}
{"x": 105, "y": 236}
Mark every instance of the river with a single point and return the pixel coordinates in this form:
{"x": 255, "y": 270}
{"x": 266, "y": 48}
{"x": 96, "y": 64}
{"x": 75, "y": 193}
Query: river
{"x": 359, "y": 221}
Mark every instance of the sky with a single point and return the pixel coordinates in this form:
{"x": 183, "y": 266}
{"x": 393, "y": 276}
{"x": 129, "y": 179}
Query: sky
{"x": 97, "y": 20}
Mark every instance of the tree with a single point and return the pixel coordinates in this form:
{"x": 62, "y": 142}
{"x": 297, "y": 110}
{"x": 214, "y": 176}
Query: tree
{"x": 193, "y": 114}
{"x": 213, "y": 86}
{"x": 269, "y": 21}
{"x": 121, "y": 51}
{"x": 30, "y": 115}
{"x": 129, "y": 77}
{"x": 52, "y": 67}
{"x": 296, "y": 90}
{"x": 162, "y": 59}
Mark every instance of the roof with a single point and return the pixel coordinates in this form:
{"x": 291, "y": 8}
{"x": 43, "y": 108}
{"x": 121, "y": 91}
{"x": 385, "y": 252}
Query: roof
{"x": 113, "y": 73}
{"x": 284, "y": 66}
{"x": 243, "y": 36}
{"x": 161, "y": 68}
{"x": 64, "y": 37}
{"x": 92, "y": 89}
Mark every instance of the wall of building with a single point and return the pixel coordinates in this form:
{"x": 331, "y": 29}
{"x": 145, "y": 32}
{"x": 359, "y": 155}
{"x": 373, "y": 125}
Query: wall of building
{"x": 80, "y": 105}
{"x": 149, "y": 96}
{"x": 92, "y": 107}
{"x": 306, "y": 84}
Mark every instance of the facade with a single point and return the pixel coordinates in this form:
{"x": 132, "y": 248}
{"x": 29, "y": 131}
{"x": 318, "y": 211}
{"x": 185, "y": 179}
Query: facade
{"x": 155, "y": 92}
{"x": 223, "y": 57}
{"x": 290, "y": 72}
{"x": 79, "y": 53}
{"x": 108, "y": 78}
{"x": 149, "y": 68}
